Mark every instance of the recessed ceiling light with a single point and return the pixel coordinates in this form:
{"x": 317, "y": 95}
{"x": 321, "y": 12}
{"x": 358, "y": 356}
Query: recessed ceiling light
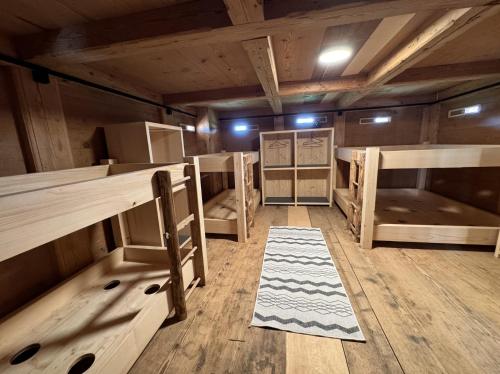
{"x": 335, "y": 55}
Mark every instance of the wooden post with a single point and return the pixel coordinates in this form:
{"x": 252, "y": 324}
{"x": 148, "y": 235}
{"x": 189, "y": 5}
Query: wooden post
{"x": 169, "y": 220}
{"x": 45, "y": 143}
{"x": 428, "y": 135}
{"x": 239, "y": 189}
{"x": 369, "y": 196}
{"x": 333, "y": 169}
{"x": 279, "y": 123}
{"x": 295, "y": 187}
{"x": 198, "y": 228}
{"x": 262, "y": 176}
{"x": 497, "y": 248}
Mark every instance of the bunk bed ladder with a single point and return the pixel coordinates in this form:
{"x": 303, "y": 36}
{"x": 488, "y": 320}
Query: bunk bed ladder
{"x": 356, "y": 182}
{"x": 168, "y": 189}
{"x": 249, "y": 196}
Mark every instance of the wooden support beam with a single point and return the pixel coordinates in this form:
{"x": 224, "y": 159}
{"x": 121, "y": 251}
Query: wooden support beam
{"x": 386, "y": 30}
{"x": 46, "y": 147}
{"x": 200, "y": 22}
{"x": 434, "y": 36}
{"x": 279, "y": 123}
{"x": 449, "y": 73}
{"x": 260, "y": 52}
{"x": 428, "y": 135}
{"x": 334, "y": 87}
{"x": 369, "y": 197}
{"x": 239, "y": 187}
{"x": 41, "y": 123}
{"x": 252, "y": 92}
{"x": 497, "y": 248}
{"x": 169, "y": 221}
{"x": 245, "y": 11}
{"x": 197, "y": 230}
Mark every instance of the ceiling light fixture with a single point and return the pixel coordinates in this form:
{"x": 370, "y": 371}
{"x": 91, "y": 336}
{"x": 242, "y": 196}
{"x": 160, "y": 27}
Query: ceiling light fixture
{"x": 335, "y": 55}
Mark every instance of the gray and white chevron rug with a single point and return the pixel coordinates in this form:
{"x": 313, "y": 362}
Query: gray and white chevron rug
{"x": 300, "y": 289}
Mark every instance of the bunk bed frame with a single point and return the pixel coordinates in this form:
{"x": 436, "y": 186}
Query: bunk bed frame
{"x": 104, "y": 316}
{"x": 232, "y": 210}
{"x": 414, "y": 215}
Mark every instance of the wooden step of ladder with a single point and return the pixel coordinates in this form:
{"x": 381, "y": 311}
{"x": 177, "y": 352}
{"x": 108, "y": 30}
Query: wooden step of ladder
{"x": 356, "y": 183}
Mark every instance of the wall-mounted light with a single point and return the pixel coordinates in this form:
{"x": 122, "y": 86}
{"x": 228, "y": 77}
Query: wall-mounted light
{"x": 466, "y": 111}
{"x": 240, "y": 128}
{"x": 305, "y": 121}
{"x": 190, "y": 128}
{"x": 375, "y": 120}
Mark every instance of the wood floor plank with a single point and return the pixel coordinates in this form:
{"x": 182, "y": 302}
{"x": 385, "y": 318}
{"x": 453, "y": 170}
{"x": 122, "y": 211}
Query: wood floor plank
{"x": 419, "y": 316}
{"x": 307, "y": 353}
{"x": 421, "y": 310}
{"x": 162, "y": 347}
{"x": 376, "y": 355}
{"x": 219, "y": 339}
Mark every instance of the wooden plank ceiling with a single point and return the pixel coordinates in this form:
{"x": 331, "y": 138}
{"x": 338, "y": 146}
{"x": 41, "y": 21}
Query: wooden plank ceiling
{"x": 262, "y": 54}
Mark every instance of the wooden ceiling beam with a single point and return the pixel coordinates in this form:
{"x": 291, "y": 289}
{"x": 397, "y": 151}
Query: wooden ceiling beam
{"x": 254, "y": 92}
{"x": 244, "y": 11}
{"x": 332, "y": 88}
{"x": 260, "y": 53}
{"x": 434, "y": 36}
{"x": 449, "y": 73}
{"x": 199, "y": 23}
{"x": 386, "y": 30}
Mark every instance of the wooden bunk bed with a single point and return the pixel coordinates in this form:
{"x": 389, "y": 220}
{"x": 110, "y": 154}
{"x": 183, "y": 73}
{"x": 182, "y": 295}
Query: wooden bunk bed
{"x": 414, "y": 214}
{"x": 232, "y": 210}
{"x": 102, "y": 318}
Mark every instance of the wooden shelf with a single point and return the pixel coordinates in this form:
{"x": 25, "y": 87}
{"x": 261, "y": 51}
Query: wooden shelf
{"x": 278, "y": 168}
{"x": 313, "y": 166}
{"x": 80, "y": 317}
{"x": 144, "y": 142}
{"x": 279, "y": 149}
{"x": 313, "y": 200}
{"x": 307, "y": 174}
{"x": 280, "y": 200}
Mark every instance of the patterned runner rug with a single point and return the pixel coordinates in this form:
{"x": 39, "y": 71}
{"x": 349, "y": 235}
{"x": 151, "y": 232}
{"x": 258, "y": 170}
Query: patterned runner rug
{"x": 300, "y": 289}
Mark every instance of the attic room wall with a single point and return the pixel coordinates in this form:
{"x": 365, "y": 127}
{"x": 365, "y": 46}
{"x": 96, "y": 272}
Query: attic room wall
{"x": 478, "y": 187}
{"x": 404, "y": 128}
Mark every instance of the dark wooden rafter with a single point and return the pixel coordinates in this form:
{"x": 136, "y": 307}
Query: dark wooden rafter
{"x": 197, "y": 23}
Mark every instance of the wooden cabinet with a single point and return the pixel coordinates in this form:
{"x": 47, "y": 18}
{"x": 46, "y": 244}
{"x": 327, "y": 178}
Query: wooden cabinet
{"x": 297, "y": 167}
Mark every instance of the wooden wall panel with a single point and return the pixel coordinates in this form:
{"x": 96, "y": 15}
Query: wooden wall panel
{"x": 404, "y": 129}
{"x": 478, "y": 187}
{"x": 86, "y": 110}
{"x": 11, "y": 157}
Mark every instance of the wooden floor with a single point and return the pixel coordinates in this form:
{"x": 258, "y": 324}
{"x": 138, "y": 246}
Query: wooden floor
{"x": 422, "y": 310}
